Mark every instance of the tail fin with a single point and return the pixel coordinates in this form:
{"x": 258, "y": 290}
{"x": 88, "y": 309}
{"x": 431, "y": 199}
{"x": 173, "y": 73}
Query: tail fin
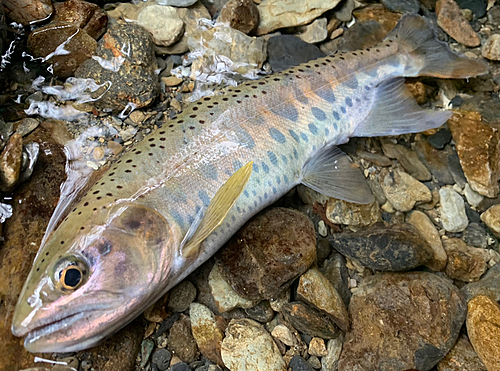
{"x": 429, "y": 56}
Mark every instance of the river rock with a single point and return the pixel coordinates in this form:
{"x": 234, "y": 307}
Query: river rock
{"x": 377, "y": 12}
{"x": 248, "y": 346}
{"x": 333, "y": 347}
{"x": 461, "y": 357}
{"x": 453, "y": 22}
{"x": 181, "y": 296}
{"x": 402, "y": 321}
{"x": 488, "y": 285}
{"x": 10, "y": 162}
{"x": 452, "y": 210}
{"x": 439, "y": 139}
{"x": 491, "y": 49}
{"x": 335, "y": 270}
{"x": 478, "y": 7}
{"x": 242, "y": 15}
{"x": 361, "y": 35}
{"x": 402, "y": 190}
{"x": 268, "y": 253}
{"x": 317, "y": 347}
{"x": 162, "y": 22}
{"x": 483, "y": 328}
{"x": 315, "y": 289}
{"x": 285, "y": 51}
{"x": 297, "y": 363}
{"x": 262, "y": 312}
{"x": 275, "y": 14}
{"x": 465, "y": 263}
{"x": 475, "y": 235}
{"x": 309, "y": 320}
{"x": 408, "y": 159}
{"x": 478, "y": 147}
{"x": 47, "y": 42}
{"x": 82, "y": 14}
{"x": 161, "y": 358}
{"x": 348, "y": 213}
{"x": 27, "y": 11}
{"x": 125, "y": 65}
{"x": 284, "y": 334}
{"x": 473, "y": 198}
{"x": 491, "y": 218}
{"x": 402, "y": 6}
{"x": 26, "y": 126}
{"x": 206, "y": 332}
{"x": 178, "y": 3}
{"x": 377, "y": 158}
{"x": 436, "y": 161}
{"x": 314, "y": 32}
{"x": 181, "y": 341}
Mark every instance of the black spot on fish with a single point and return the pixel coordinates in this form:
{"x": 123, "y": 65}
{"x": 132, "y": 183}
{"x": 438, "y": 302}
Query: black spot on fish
{"x": 104, "y": 247}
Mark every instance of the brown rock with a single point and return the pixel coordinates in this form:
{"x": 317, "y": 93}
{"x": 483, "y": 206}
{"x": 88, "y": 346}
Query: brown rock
{"x": 483, "y": 328}
{"x": 379, "y": 13}
{"x": 268, "y": 253}
{"x": 408, "y": 159}
{"x": 402, "y": 321}
{"x": 309, "y": 320}
{"x": 207, "y": 334}
{"x": 418, "y": 90}
{"x": 453, "y": 22}
{"x": 27, "y": 11}
{"x": 435, "y": 160}
{"x": 10, "y": 162}
{"x": 491, "y": 49}
{"x": 461, "y": 357}
{"x": 491, "y": 218}
{"x": 465, "y": 263}
{"x": 377, "y": 158}
{"x": 478, "y": 147}
{"x": 181, "y": 296}
{"x": 82, "y": 14}
{"x": 181, "y": 341}
{"x": 242, "y": 15}
{"x": 348, "y": 213}
{"x": 402, "y": 190}
{"x": 44, "y": 41}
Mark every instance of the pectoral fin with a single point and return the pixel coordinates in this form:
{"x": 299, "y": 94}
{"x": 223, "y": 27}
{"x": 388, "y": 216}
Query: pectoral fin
{"x": 332, "y": 173}
{"x": 217, "y": 210}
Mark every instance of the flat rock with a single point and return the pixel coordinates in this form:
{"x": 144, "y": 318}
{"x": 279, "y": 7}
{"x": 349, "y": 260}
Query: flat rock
{"x": 348, "y": 213}
{"x": 377, "y": 12}
{"x": 491, "y": 48}
{"x": 315, "y": 289}
{"x": 377, "y": 158}
{"x": 461, "y": 357}
{"x": 453, "y": 22}
{"x": 478, "y": 7}
{"x": 178, "y": 3}
{"x": 408, "y": 159}
{"x": 268, "y": 253}
{"x": 475, "y": 235}
{"x": 488, "y": 285}
{"x": 429, "y": 232}
{"x": 333, "y": 348}
{"x": 262, "y": 312}
{"x": 248, "y": 346}
{"x": 285, "y": 51}
{"x": 162, "y": 22}
{"x": 483, "y": 328}
{"x": 473, "y": 198}
{"x": 403, "y": 191}
{"x": 465, "y": 263}
{"x": 27, "y": 11}
{"x": 478, "y": 147}
{"x": 309, "y": 320}
{"x": 335, "y": 270}
{"x": 452, "y": 210}
{"x": 314, "y": 32}
{"x": 181, "y": 341}
{"x": 10, "y": 162}
{"x": 275, "y": 14}
{"x": 361, "y": 35}
{"x": 491, "y": 218}
{"x": 284, "y": 334}
{"x": 402, "y": 321}
{"x": 206, "y": 332}
{"x": 82, "y": 14}
{"x": 436, "y": 161}
{"x": 181, "y": 296}
{"x": 297, "y": 363}
{"x": 439, "y": 139}
{"x": 45, "y": 41}
{"x": 402, "y": 6}
{"x": 242, "y": 15}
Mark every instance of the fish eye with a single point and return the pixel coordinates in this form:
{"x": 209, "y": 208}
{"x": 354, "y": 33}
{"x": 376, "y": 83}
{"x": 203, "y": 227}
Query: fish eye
{"x": 70, "y": 273}
{"x": 71, "y": 277}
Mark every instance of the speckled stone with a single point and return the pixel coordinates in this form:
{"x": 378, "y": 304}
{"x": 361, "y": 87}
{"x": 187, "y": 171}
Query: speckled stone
{"x": 27, "y": 11}
{"x": 452, "y": 210}
{"x": 85, "y": 15}
{"x": 181, "y": 341}
{"x": 403, "y": 191}
{"x": 242, "y": 15}
{"x": 488, "y": 285}
{"x": 10, "y": 162}
{"x": 452, "y": 21}
{"x": 309, "y": 320}
{"x": 491, "y": 218}
{"x": 461, "y": 357}
{"x": 206, "y": 332}
{"x": 465, "y": 263}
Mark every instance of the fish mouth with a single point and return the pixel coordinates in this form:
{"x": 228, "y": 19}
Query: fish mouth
{"x": 50, "y": 328}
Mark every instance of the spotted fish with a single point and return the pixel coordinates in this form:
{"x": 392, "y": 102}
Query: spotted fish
{"x": 175, "y": 198}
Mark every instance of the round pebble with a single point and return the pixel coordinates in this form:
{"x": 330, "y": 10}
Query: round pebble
{"x": 161, "y": 357}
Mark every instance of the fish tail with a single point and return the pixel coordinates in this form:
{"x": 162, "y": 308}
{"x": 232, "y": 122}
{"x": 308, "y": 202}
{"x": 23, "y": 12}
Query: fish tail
{"x": 429, "y": 56}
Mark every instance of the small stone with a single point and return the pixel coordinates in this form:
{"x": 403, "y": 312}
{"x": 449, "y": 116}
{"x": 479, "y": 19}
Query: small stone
{"x": 161, "y": 358}
{"x": 314, "y": 32}
{"x": 26, "y": 126}
{"x": 461, "y": 357}
{"x": 10, "y": 162}
{"x": 262, "y": 312}
{"x": 452, "y": 210}
{"x": 483, "y": 328}
{"x": 317, "y": 347}
{"x": 473, "y": 198}
{"x": 455, "y": 169}
{"x": 248, "y": 346}
{"x": 335, "y": 270}
{"x": 408, "y": 160}
{"x": 429, "y": 232}
{"x": 138, "y": 117}
{"x": 344, "y": 11}
{"x": 491, "y": 218}
{"x": 147, "y": 347}
{"x": 361, "y": 35}
{"x": 452, "y": 21}
{"x": 27, "y": 12}
{"x": 172, "y": 80}
{"x": 285, "y": 51}
{"x": 402, "y": 6}
{"x": 309, "y": 320}
{"x": 206, "y": 332}
{"x": 181, "y": 341}
{"x": 162, "y": 22}
{"x": 475, "y": 235}
{"x": 403, "y": 191}
{"x": 439, "y": 139}
{"x": 488, "y": 285}
{"x": 436, "y": 161}
{"x": 180, "y": 366}
{"x": 181, "y": 296}
{"x": 491, "y": 49}
{"x": 315, "y": 289}
{"x": 178, "y": 3}
{"x": 115, "y": 147}
{"x": 82, "y": 14}
{"x": 377, "y": 12}
{"x": 242, "y": 15}
{"x": 334, "y": 348}
{"x": 465, "y": 263}
{"x": 297, "y": 363}
{"x": 283, "y": 334}
{"x": 348, "y": 213}
{"x": 98, "y": 153}
{"x": 377, "y": 158}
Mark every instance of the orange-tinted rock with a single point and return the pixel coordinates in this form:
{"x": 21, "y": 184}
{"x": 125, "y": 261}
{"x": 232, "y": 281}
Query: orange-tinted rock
{"x": 27, "y": 11}
{"x": 379, "y": 13}
{"x": 453, "y": 22}
{"x": 242, "y": 15}
{"x": 181, "y": 341}
{"x": 206, "y": 332}
{"x": 461, "y": 357}
{"x": 465, "y": 263}
{"x": 87, "y": 16}
{"x": 10, "y": 162}
{"x": 309, "y": 320}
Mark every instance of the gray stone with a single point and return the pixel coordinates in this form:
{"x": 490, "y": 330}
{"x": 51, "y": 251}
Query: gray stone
{"x": 285, "y": 51}
{"x": 402, "y": 6}
{"x": 475, "y": 235}
{"x": 161, "y": 357}
{"x": 456, "y": 170}
{"x": 408, "y": 159}
{"x": 297, "y": 363}
{"x": 436, "y": 161}
{"x": 262, "y": 312}
{"x": 309, "y": 320}
{"x": 26, "y": 126}
{"x": 478, "y": 7}
{"x": 314, "y": 32}
{"x": 333, "y": 347}
{"x": 439, "y": 139}
{"x": 452, "y": 210}
{"x": 488, "y": 285}
{"x": 177, "y": 3}
{"x": 181, "y": 296}
{"x": 473, "y": 198}
{"x": 335, "y": 270}
{"x": 162, "y": 22}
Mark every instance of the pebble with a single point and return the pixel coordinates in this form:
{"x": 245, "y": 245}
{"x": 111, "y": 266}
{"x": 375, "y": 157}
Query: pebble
{"x": 161, "y": 358}
{"x": 334, "y": 348}
{"x": 285, "y": 51}
{"x": 172, "y": 80}
{"x": 402, "y": 6}
{"x": 488, "y": 285}
{"x": 429, "y": 232}
{"x": 314, "y": 32}
{"x": 162, "y": 22}
{"x": 262, "y": 312}
{"x": 309, "y": 320}
{"x": 408, "y": 159}
{"x": 456, "y": 170}
{"x": 473, "y": 198}
{"x": 478, "y": 147}
{"x": 98, "y": 153}
{"x": 26, "y": 126}
{"x": 436, "y": 161}
{"x": 317, "y": 347}
{"x": 440, "y": 139}
{"x": 264, "y": 257}
{"x": 453, "y": 22}
{"x": 491, "y": 218}
{"x": 483, "y": 328}
{"x": 206, "y": 332}
{"x": 178, "y": 3}
{"x": 10, "y": 162}
{"x": 283, "y": 334}
{"x": 403, "y": 191}
{"x": 335, "y": 270}
{"x": 359, "y": 36}
{"x": 147, "y": 347}
{"x": 491, "y": 48}
{"x": 297, "y": 363}
{"x": 248, "y": 346}
{"x": 475, "y": 235}
{"x": 315, "y": 289}
{"x": 377, "y": 158}
{"x": 386, "y": 19}
{"x": 453, "y": 216}
{"x": 27, "y": 12}
{"x": 82, "y": 14}
{"x": 242, "y": 15}
{"x": 181, "y": 296}
{"x": 405, "y": 314}
{"x": 343, "y": 12}
{"x": 348, "y": 213}
{"x": 181, "y": 341}
{"x": 397, "y": 247}
{"x": 478, "y": 7}
{"x": 465, "y": 263}
{"x": 461, "y": 357}
{"x": 180, "y": 366}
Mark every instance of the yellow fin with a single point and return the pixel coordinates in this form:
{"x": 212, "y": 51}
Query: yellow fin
{"x": 220, "y": 205}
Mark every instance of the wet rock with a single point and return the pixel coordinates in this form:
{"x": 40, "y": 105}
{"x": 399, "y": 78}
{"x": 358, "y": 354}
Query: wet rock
{"x": 317, "y": 347}
{"x": 268, "y": 253}
{"x": 180, "y": 366}
{"x": 131, "y": 72}
{"x": 147, "y": 347}
{"x": 275, "y": 14}
{"x": 181, "y": 296}
{"x": 478, "y": 7}
{"x": 403, "y": 191}
{"x": 343, "y": 12}
{"x": 377, "y": 158}
{"x": 377, "y": 12}
{"x": 285, "y": 51}
{"x": 402, "y": 321}
{"x": 488, "y": 285}
{"x": 314, "y": 32}
{"x": 309, "y": 320}
{"x": 27, "y": 11}
{"x": 242, "y": 15}
{"x": 315, "y": 289}
{"x": 461, "y": 357}
{"x": 334, "y": 347}
{"x": 297, "y": 363}
{"x": 452, "y": 210}
{"x": 453, "y": 22}
{"x": 10, "y": 162}
{"x": 418, "y": 90}
{"x": 402, "y": 6}
{"x": 206, "y": 332}
{"x": 436, "y": 161}
{"x": 478, "y": 147}
{"x": 47, "y": 41}
{"x": 491, "y": 49}
{"x": 348, "y": 213}
{"x": 26, "y": 126}
{"x": 178, "y": 3}
{"x": 248, "y": 346}
{"x": 475, "y": 235}
{"x": 82, "y": 14}
{"x": 284, "y": 334}
{"x": 430, "y": 234}
{"x": 396, "y": 247}
{"x": 262, "y": 312}
{"x": 408, "y": 159}
{"x": 361, "y": 35}
{"x": 439, "y": 139}
{"x": 473, "y": 198}
{"x": 491, "y": 218}
{"x": 162, "y": 22}
{"x": 161, "y": 358}
{"x": 465, "y": 263}
{"x": 335, "y": 270}
{"x": 483, "y": 328}
{"x": 181, "y": 341}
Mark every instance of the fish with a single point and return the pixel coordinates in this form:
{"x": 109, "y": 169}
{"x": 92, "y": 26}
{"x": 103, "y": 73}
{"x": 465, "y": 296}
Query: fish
{"x": 170, "y": 202}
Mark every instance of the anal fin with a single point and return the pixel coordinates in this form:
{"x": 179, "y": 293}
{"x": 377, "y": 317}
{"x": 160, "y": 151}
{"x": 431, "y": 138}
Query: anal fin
{"x": 395, "y": 112}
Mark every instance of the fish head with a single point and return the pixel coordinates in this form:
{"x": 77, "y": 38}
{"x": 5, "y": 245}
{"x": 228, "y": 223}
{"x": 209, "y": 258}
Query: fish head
{"x": 85, "y": 286}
